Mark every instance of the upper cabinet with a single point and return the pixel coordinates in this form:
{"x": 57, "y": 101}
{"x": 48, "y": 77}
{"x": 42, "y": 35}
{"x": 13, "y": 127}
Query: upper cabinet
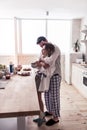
{"x": 84, "y": 31}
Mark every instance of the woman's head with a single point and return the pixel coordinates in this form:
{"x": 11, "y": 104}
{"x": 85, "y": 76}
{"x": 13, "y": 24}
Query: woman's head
{"x": 48, "y": 49}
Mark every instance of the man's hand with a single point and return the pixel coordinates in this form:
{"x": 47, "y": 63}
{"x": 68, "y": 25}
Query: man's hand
{"x": 46, "y": 66}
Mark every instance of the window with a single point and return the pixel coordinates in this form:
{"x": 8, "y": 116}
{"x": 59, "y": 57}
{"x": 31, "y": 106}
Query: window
{"x": 57, "y": 31}
{"x": 31, "y": 29}
{"x": 7, "y": 37}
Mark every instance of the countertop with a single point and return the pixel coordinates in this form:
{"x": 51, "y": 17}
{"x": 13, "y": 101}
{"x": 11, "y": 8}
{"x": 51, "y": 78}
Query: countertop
{"x": 82, "y": 66}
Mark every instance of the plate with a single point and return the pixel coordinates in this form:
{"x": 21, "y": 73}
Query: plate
{"x": 24, "y": 73}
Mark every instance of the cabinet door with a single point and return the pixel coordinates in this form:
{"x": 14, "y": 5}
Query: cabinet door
{"x": 77, "y": 80}
{"x": 77, "y": 76}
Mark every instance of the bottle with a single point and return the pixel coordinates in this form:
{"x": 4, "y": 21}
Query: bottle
{"x": 11, "y": 67}
{"x": 83, "y": 57}
{"x": 76, "y": 46}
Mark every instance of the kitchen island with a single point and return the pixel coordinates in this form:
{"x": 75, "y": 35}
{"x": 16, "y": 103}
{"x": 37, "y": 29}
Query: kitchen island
{"x": 19, "y": 99}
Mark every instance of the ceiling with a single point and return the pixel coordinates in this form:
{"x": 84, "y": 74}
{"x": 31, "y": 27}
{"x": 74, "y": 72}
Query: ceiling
{"x": 62, "y": 9}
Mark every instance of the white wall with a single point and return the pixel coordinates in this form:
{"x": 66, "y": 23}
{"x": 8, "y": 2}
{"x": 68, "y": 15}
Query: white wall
{"x": 71, "y": 56}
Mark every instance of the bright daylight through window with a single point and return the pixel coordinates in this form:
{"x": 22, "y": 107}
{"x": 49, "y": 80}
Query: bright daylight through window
{"x": 56, "y": 31}
{"x": 7, "y": 41}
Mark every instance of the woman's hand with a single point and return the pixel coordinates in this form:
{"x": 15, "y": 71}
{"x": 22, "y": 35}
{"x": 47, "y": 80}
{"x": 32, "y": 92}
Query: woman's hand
{"x": 42, "y": 64}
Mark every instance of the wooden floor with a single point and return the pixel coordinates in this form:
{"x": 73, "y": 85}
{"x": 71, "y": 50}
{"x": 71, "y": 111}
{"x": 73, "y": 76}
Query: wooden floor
{"x": 73, "y": 113}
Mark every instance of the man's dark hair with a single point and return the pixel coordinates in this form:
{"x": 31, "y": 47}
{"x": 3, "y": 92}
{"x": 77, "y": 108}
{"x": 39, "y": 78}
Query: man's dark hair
{"x": 41, "y": 38}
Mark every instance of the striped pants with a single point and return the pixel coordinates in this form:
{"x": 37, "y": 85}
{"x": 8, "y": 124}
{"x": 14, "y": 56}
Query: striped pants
{"x": 52, "y": 97}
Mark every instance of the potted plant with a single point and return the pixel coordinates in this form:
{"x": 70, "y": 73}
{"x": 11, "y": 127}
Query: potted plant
{"x": 76, "y": 46}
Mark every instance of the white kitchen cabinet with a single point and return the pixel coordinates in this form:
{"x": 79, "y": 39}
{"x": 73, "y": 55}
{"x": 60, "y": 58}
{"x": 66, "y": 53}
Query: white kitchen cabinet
{"x": 77, "y": 78}
{"x": 69, "y": 59}
{"x": 84, "y": 40}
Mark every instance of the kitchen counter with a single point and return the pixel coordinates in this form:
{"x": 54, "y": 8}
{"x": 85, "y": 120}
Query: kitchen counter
{"x": 82, "y": 66}
{"x": 19, "y": 99}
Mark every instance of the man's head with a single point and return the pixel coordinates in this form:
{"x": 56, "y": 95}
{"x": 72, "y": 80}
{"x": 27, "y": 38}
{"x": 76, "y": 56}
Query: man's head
{"x": 41, "y": 41}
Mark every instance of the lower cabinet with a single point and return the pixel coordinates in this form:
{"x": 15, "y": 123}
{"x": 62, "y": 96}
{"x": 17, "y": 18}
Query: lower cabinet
{"x": 77, "y": 79}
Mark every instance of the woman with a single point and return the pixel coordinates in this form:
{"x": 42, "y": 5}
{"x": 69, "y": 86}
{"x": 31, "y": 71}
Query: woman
{"x": 43, "y": 76}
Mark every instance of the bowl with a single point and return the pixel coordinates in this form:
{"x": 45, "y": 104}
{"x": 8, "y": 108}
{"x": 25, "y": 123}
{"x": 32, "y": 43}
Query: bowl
{"x": 18, "y": 68}
{"x": 27, "y": 69}
{"x": 34, "y": 65}
{"x": 7, "y": 76}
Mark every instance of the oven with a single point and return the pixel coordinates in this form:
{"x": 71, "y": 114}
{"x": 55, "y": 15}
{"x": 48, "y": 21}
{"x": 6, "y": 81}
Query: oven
{"x": 85, "y": 79}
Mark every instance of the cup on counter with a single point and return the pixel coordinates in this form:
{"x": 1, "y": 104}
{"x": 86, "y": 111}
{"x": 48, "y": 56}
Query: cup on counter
{"x": 7, "y": 76}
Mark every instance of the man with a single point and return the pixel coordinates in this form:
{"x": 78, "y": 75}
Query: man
{"x": 52, "y": 96}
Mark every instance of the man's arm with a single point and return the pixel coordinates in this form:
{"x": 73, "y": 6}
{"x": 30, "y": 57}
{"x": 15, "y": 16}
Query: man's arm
{"x": 50, "y": 60}
{"x": 42, "y": 63}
